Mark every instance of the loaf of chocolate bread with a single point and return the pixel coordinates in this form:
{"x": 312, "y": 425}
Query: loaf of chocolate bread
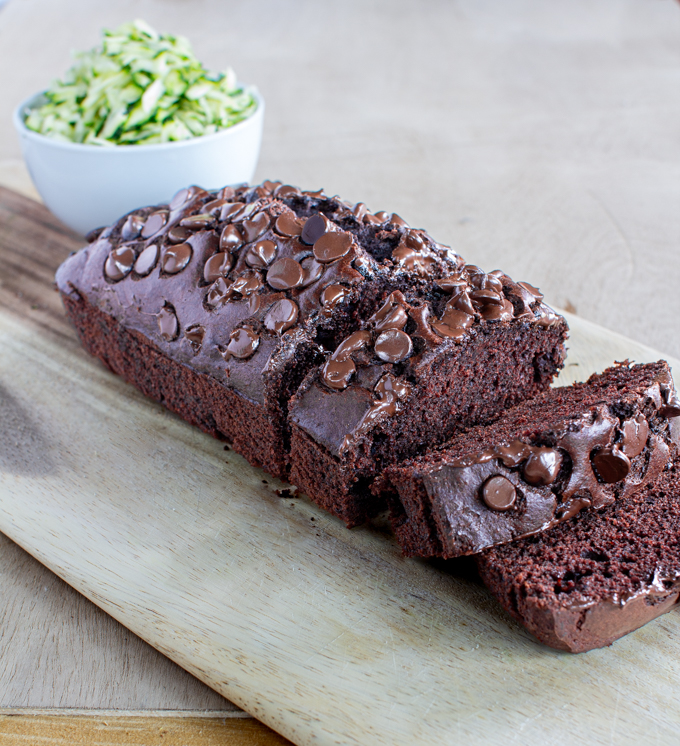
{"x": 323, "y": 341}
{"x": 569, "y": 449}
{"x": 594, "y": 578}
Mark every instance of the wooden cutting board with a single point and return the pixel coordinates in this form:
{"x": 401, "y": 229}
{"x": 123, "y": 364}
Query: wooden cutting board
{"x": 327, "y": 635}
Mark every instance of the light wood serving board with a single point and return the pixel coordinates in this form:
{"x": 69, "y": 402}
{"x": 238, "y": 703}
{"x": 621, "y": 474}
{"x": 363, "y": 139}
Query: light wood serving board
{"x": 327, "y": 635}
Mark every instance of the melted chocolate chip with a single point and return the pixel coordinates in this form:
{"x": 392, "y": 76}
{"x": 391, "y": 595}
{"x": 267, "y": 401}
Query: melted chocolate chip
{"x": 242, "y": 344}
{"x": 231, "y": 238}
{"x": 285, "y": 274}
{"x": 311, "y": 271}
{"x": 176, "y": 258}
{"x": 359, "y": 210}
{"x": 218, "y": 265}
{"x": 261, "y": 254}
{"x": 194, "y": 334}
{"x": 542, "y": 466}
{"x": 256, "y": 226}
{"x": 218, "y": 293}
{"x": 168, "y": 326}
{"x": 147, "y": 260}
{"x": 393, "y": 346}
{"x": 610, "y": 464}
{"x": 412, "y": 260}
{"x": 245, "y": 284}
{"x": 315, "y": 227}
{"x": 281, "y": 316}
{"x": 119, "y": 263}
{"x": 537, "y": 294}
{"x": 178, "y": 235}
{"x": 396, "y": 220}
{"x": 288, "y": 225}
{"x": 337, "y": 373}
{"x": 154, "y": 223}
{"x": 286, "y": 190}
{"x": 453, "y": 324}
{"x": 197, "y": 222}
{"x": 635, "y": 434}
{"x": 391, "y": 315}
{"x": 231, "y": 210}
{"x": 332, "y": 295}
{"x": 499, "y": 493}
{"x": 332, "y": 246}
{"x": 132, "y": 227}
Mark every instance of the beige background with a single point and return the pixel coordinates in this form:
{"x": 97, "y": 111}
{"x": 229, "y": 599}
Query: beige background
{"x": 541, "y": 137}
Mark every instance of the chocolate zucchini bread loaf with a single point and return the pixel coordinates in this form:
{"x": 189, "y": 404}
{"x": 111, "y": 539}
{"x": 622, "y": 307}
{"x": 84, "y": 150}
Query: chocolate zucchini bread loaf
{"x": 222, "y": 304}
{"x": 569, "y": 449}
{"x": 585, "y": 583}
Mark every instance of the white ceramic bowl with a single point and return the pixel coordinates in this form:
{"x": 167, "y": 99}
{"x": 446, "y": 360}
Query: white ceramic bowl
{"x": 87, "y": 186}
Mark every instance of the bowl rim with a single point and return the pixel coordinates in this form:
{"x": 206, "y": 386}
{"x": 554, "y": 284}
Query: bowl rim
{"x": 19, "y": 124}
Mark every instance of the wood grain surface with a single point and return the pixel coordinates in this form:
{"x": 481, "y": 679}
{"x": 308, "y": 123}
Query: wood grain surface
{"x": 327, "y": 635}
{"x": 116, "y": 728}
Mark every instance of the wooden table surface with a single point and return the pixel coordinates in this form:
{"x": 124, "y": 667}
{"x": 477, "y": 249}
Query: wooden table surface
{"x": 540, "y": 137}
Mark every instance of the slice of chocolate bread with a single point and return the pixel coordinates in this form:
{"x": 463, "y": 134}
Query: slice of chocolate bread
{"x": 569, "y": 449}
{"x": 218, "y": 304}
{"x": 429, "y": 362}
{"x": 593, "y": 579}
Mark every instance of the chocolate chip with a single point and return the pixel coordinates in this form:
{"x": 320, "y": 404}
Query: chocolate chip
{"x": 231, "y": 210}
{"x": 218, "y": 293}
{"x": 179, "y": 199}
{"x": 542, "y": 466}
{"x": 391, "y": 315}
{"x": 332, "y": 246}
{"x": 214, "y": 208}
{"x": 197, "y": 222}
{"x": 281, "y": 316}
{"x": 337, "y": 373}
{"x": 396, "y": 220}
{"x": 270, "y": 186}
{"x": 132, "y": 227}
{"x": 176, "y": 258}
{"x": 261, "y": 254}
{"x": 493, "y": 312}
{"x": 285, "y": 190}
{"x": 453, "y": 324}
{"x": 314, "y": 227}
{"x": 242, "y": 344}
{"x": 178, "y": 235}
{"x": 538, "y": 295}
{"x": 610, "y": 464}
{"x": 359, "y": 210}
{"x": 499, "y": 493}
{"x": 119, "y": 263}
{"x": 217, "y": 266}
{"x": 393, "y": 346}
{"x": 311, "y": 271}
{"x": 248, "y": 282}
{"x": 288, "y": 225}
{"x": 635, "y": 434}
{"x": 285, "y": 274}
{"x": 227, "y": 193}
{"x": 147, "y": 260}
{"x": 372, "y": 219}
{"x": 168, "y": 325}
{"x": 412, "y": 260}
{"x": 231, "y": 238}
{"x": 332, "y": 295}
{"x": 155, "y": 222}
{"x": 255, "y": 227}
{"x": 194, "y": 334}
{"x": 382, "y": 216}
